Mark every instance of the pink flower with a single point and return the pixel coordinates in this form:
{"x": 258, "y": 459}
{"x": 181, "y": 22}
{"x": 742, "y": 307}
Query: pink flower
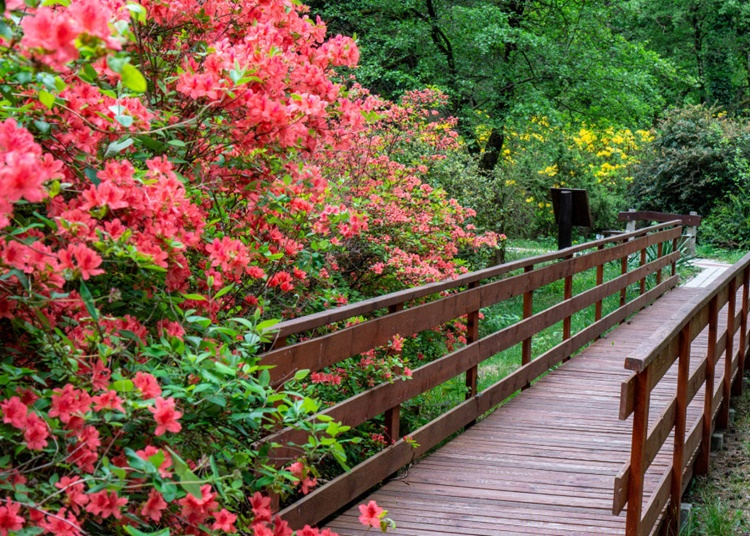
{"x": 35, "y": 433}
{"x": 153, "y": 506}
{"x": 108, "y": 400}
{"x": 224, "y": 521}
{"x": 147, "y": 384}
{"x": 92, "y": 17}
{"x": 283, "y": 280}
{"x": 62, "y": 524}
{"x": 14, "y": 412}
{"x": 9, "y": 518}
{"x": 68, "y": 401}
{"x": 166, "y": 416}
{"x": 261, "y": 507}
{"x": 51, "y": 31}
{"x": 81, "y": 258}
{"x": 149, "y": 451}
{"x": 371, "y": 514}
{"x": 307, "y": 484}
{"x": 195, "y": 510}
{"x": 397, "y": 343}
{"x": 106, "y": 504}
{"x": 74, "y": 491}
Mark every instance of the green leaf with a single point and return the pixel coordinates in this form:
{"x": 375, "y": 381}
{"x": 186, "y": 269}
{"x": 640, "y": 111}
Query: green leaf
{"x": 43, "y": 126}
{"x": 88, "y": 73}
{"x": 267, "y": 324}
{"x": 91, "y": 174}
{"x": 301, "y": 374}
{"x": 138, "y": 12}
{"x": 118, "y": 146}
{"x": 197, "y": 297}
{"x": 122, "y": 386}
{"x": 135, "y": 532}
{"x": 124, "y": 120}
{"x": 188, "y": 480}
{"x": 224, "y": 291}
{"x": 157, "y": 459}
{"x": 133, "y": 79}
{"x": 47, "y": 98}
{"x": 176, "y": 143}
{"x": 88, "y": 301}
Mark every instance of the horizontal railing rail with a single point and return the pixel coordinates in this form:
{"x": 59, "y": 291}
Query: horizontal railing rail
{"x": 468, "y": 298}
{"x": 650, "y": 362}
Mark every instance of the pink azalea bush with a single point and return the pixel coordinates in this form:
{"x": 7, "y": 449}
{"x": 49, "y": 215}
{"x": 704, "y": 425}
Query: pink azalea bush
{"x": 174, "y": 175}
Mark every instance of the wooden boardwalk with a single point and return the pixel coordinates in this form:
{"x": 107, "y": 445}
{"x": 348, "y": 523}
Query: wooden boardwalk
{"x": 545, "y": 463}
{"x": 710, "y": 272}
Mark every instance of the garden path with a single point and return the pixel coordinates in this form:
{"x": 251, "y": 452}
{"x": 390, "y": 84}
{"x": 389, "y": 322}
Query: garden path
{"x": 710, "y": 271}
{"x": 546, "y": 462}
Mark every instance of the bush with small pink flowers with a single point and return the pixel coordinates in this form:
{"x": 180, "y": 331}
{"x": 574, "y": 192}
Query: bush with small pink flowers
{"x": 173, "y": 176}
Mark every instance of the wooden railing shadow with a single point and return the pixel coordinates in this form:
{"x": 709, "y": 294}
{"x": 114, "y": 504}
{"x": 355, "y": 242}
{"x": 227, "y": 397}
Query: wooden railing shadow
{"x": 692, "y": 440}
{"x": 408, "y": 314}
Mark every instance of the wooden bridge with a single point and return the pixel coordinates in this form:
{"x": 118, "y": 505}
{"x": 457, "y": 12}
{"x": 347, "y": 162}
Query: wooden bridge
{"x": 603, "y": 442}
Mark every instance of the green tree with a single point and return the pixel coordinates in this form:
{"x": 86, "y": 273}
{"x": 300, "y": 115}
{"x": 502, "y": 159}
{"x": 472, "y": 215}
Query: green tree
{"x": 706, "y": 40}
{"x": 503, "y": 61}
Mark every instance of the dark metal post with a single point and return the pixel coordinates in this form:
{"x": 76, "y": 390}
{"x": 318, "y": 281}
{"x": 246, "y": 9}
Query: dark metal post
{"x": 565, "y": 225}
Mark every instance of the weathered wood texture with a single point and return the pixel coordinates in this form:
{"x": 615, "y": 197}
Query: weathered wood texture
{"x": 691, "y": 381}
{"x": 545, "y": 463}
{"x": 685, "y": 219}
{"x": 586, "y": 439}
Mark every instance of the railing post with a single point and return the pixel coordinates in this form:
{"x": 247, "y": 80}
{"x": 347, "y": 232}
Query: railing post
{"x": 392, "y": 416}
{"x": 692, "y": 235}
{"x": 623, "y": 271}
{"x": 643, "y": 263}
{"x": 743, "y": 324}
{"x": 567, "y": 294}
{"x": 630, "y": 226}
{"x": 528, "y": 306}
{"x": 275, "y": 505}
{"x": 472, "y": 335}
{"x": 675, "y": 245}
{"x": 737, "y": 385}
{"x": 680, "y": 421}
{"x": 599, "y": 281}
{"x": 704, "y": 456}
{"x": 659, "y": 253}
{"x": 638, "y": 453}
{"x": 723, "y": 418}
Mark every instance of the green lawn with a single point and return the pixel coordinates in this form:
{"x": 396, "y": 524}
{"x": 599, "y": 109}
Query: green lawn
{"x": 442, "y": 398}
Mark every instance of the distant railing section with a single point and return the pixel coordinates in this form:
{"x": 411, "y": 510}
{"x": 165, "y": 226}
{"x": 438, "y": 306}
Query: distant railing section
{"x": 469, "y": 296}
{"x": 690, "y": 222}
{"x": 692, "y": 440}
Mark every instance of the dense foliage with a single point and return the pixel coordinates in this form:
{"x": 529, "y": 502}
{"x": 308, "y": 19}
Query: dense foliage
{"x": 511, "y": 59}
{"x": 173, "y": 176}
{"x": 694, "y": 161}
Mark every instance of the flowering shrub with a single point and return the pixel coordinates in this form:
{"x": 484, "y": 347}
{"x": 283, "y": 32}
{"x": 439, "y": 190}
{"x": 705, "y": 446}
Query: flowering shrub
{"x": 173, "y": 175}
{"x": 537, "y": 156}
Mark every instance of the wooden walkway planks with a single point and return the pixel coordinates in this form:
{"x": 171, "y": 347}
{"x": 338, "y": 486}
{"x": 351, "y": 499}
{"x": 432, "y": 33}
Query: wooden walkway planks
{"x": 545, "y": 463}
{"x": 711, "y": 270}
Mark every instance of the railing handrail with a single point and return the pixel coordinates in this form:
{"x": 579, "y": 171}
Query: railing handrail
{"x": 651, "y": 362}
{"x": 692, "y": 220}
{"x": 644, "y": 355}
{"x": 329, "y": 348}
{"x": 323, "y": 318}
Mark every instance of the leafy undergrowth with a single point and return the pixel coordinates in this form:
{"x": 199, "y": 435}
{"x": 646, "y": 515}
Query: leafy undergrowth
{"x": 707, "y": 251}
{"x": 721, "y": 500}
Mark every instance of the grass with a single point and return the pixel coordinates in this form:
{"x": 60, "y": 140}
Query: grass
{"x": 499, "y": 316}
{"x": 707, "y": 251}
{"x": 721, "y": 500}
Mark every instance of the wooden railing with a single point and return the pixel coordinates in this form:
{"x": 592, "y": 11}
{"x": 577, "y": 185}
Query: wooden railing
{"x": 469, "y": 297}
{"x": 692, "y": 439}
